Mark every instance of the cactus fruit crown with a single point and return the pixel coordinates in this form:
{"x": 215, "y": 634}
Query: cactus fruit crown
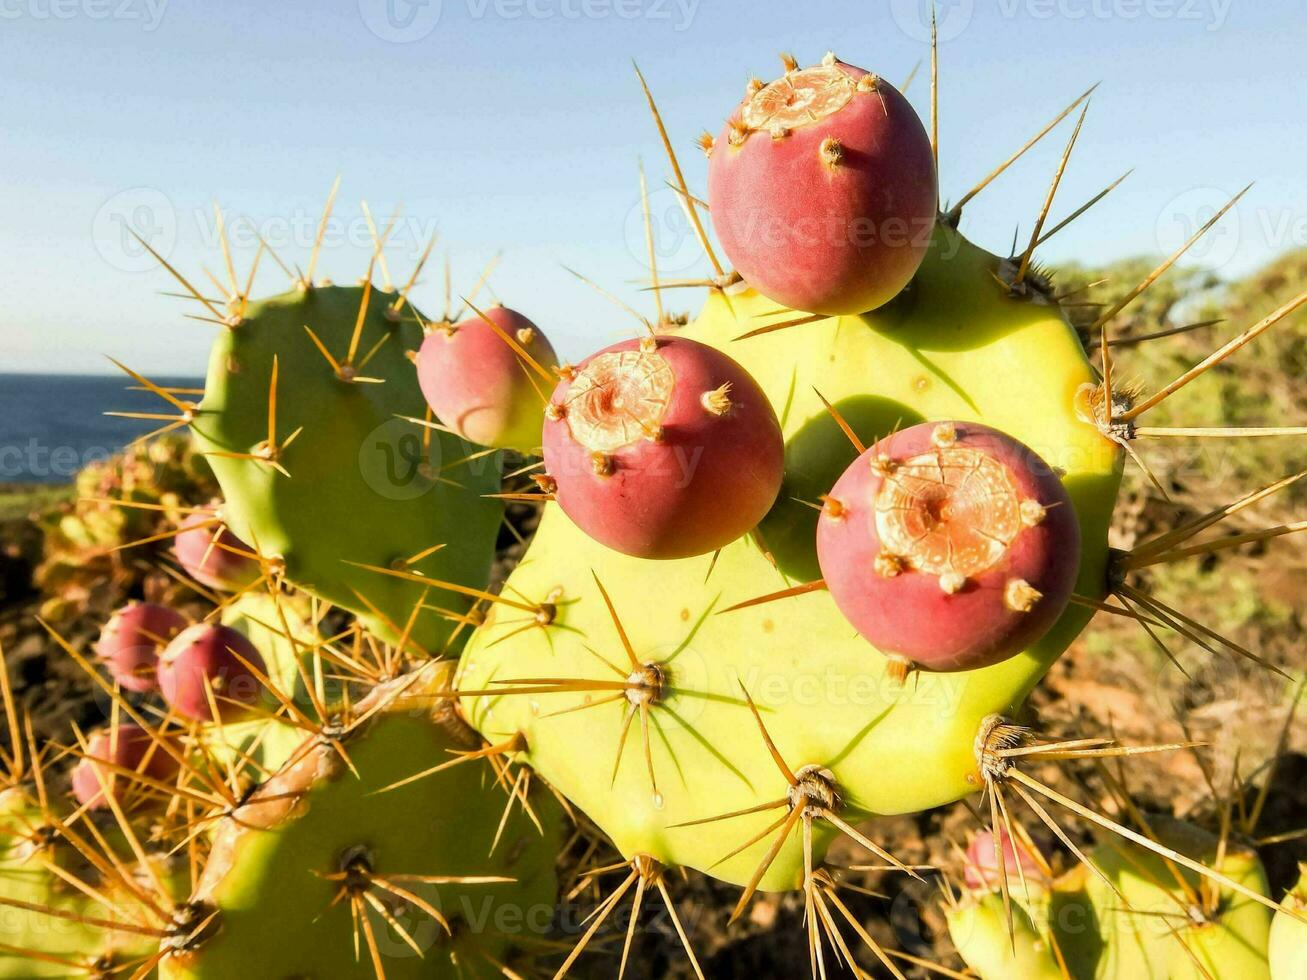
{"x": 891, "y": 521}
{"x": 951, "y": 512}
{"x": 619, "y": 398}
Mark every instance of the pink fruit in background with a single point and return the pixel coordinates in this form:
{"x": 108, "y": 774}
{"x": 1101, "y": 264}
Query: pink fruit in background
{"x": 822, "y": 189}
{"x": 478, "y": 384}
{"x": 663, "y": 448}
{"x": 208, "y": 656}
{"x": 129, "y": 747}
{"x": 213, "y": 556}
{"x": 950, "y": 545}
{"x": 982, "y": 873}
{"x": 131, "y": 641}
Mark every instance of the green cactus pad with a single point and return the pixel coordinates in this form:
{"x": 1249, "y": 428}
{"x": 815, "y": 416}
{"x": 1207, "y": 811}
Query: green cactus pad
{"x": 1151, "y": 938}
{"x": 272, "y": 881}
{"x": 1152, "y": 930}
{"x": 1287, "y": 946}
{"x": 979, "y": 930}
{"x": 282, "y": 632}
{"x": 36, "y": 943}
{"x": 955, "y": 345}
{"x": 362, "y": 487}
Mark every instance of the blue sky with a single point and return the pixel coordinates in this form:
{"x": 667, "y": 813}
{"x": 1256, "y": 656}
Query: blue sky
{"x": 516, "y": 125}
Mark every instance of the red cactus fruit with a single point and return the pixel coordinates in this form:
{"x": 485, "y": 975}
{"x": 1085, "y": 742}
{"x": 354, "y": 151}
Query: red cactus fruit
{"x": 213, "y": 556}
{"x": 131, "y": 640}
{"x": 950, "y": 545}
{"x": 129, "y": 747}
{"x": 822, "y": 189}
{"x": 478, "y": 384}
{"x": 981, "y": 872}
{"x": 662, "y": 448}
{"x": 208, "y": 658}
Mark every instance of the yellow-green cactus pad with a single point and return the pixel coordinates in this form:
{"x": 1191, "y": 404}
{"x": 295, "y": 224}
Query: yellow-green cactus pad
{"x": 955, "y": 346}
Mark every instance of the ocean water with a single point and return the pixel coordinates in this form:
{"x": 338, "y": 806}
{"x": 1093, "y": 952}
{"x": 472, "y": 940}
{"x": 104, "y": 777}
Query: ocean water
{"x": 53, "y": 424}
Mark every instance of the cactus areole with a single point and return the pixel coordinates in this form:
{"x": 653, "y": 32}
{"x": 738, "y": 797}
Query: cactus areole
{"x": 951, "y": 545}
{"x": 822, "y": 189}
{"x": 663, "y": 448}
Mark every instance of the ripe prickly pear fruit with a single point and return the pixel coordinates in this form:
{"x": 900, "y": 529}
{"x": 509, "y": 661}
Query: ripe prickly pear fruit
{"x": 212, "y": 555}
{"x": 663, "y": 448}
{"x": 126, "y": 746}
{"x": 478, "y": 384}
{"x": 982, "y": 872}
{"x": 822, "y": 189}
{"x": 130, "y": 642}
{"x": 950, "y": 545}
{"x": 208, "y": 666}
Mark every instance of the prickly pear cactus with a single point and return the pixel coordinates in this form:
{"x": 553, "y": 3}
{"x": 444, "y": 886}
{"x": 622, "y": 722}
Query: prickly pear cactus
{"x": 1287, "y": 946}
{"x": 978, "y": 926}
{"x": 955, "y": 346}
{"x": 370, "y": 806}
{"x": 303, "y": 420}
{"x": 281, "y": 629}
{"x": 1136, "y": 915}
{"x": 83, "y": 917}
{"x": 435, "y": 875}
